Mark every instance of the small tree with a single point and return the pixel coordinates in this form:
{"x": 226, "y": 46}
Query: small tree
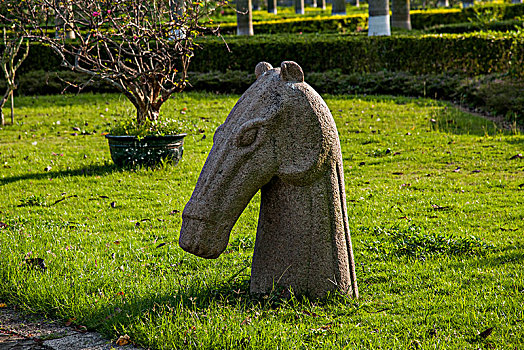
{"x": 141, "y": 47}
{"x": 10, "y": 61}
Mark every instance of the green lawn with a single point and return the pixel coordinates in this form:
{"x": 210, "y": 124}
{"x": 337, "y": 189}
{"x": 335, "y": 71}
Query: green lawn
{"x": 435, "y": 205}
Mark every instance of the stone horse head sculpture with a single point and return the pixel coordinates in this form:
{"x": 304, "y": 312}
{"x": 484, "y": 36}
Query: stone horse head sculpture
{"x": 281, "y": 138}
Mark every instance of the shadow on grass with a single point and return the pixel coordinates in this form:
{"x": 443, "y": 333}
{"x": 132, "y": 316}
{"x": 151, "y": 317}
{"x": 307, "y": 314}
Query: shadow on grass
{"x": 515, "y": 141}
{"x": 499, "y": 257}
{"x": 90, "y": 170}
{"x": 196, "y": 300}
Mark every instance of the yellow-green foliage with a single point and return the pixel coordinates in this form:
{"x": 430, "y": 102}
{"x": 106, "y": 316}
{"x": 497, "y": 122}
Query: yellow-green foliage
{"x": 420, "y": 19}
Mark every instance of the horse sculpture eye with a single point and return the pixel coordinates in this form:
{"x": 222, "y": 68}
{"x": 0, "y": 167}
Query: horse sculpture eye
{"x": 247, "y": 137}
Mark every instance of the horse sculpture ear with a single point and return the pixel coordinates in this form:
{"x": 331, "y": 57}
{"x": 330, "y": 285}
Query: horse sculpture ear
{"x": 291, "y": 71}
{"x": 261, "y": 68}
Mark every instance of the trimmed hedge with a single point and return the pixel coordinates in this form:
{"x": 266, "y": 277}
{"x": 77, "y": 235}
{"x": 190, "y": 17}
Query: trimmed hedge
{"x": 469, "y": 54}
{"x": 338, "y": 24}
{"x": 357, "y": 22}
{"x": 494, "y": 93}
{"x": 491, "y": 93}
{"x": 461, "y": 28}
{"x": 426, "y": 19}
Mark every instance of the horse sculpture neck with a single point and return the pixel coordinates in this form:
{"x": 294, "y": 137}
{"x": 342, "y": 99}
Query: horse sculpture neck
{"x": 310, "y": 257}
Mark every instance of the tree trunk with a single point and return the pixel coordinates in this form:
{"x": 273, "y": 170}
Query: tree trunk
{"x": 443, "y": 3}
{"x": 299, "y": 7}
{"x": 144, "y": 112}
{"x": 355, "y": 3}
{"x": 400, "y": 17}
{"x": 314, "y": 3}
{"x": 272, "y": 6}
{"x": 12, "y": 108}
{"x": 2, "y": 104}
{"x": 256, "y": 5}
{"x": 516, "y": 1}
{"x": 63, "y": 20}
{"x": 379, "y": 18}
{"x": 339, "y": 7}
{"x": 177, "y": 7}
{"x": 244, "y": 18}
{"x": 323, "y": 5}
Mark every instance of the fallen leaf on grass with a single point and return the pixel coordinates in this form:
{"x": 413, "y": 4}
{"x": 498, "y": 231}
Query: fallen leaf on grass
{"x": 123, "y": 340}
{"x": 484, "y": 334}
{"x": 173, "y": 212}
{"x": 438, "y": 207}
{"x": 69, "y": 322}
{"x": 415, "y": 344}
{"x": 398, "y": 173}
{"x": 80, "y": 329}
{"x": 246, "y": 321}
{"x": 312, "y": 314}
{"x": 113, "y": 204}
{"x": 456, "y": 170}
{"x": 64, "y": 198}
{"x": 517, "y": 156}
{"x": 3, "y": 225}
{"x": 3, "y": 305}
{"x": 161, "y": 245}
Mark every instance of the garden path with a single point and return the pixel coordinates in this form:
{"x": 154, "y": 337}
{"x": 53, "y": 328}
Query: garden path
{"x": 18, "y": 332}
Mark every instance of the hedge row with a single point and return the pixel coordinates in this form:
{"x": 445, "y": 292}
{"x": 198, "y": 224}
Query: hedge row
{"x": 469, "y": 54}
{"x": 461, "y": 28}
{"x": 357, "y": 22}
{"x": 492, "y": 93}
{"x": 339, "y": 24}
{"x": 495, "y": 93}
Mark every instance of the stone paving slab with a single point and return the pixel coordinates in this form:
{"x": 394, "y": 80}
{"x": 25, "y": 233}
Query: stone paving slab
{"x": 31, "y": 333}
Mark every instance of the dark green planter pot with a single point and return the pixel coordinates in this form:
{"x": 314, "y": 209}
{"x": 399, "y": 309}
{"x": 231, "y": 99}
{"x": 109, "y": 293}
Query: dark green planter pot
{"x": 149, "y": 150}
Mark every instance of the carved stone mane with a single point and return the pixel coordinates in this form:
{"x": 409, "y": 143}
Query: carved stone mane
{"x": 281, "y": 138}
